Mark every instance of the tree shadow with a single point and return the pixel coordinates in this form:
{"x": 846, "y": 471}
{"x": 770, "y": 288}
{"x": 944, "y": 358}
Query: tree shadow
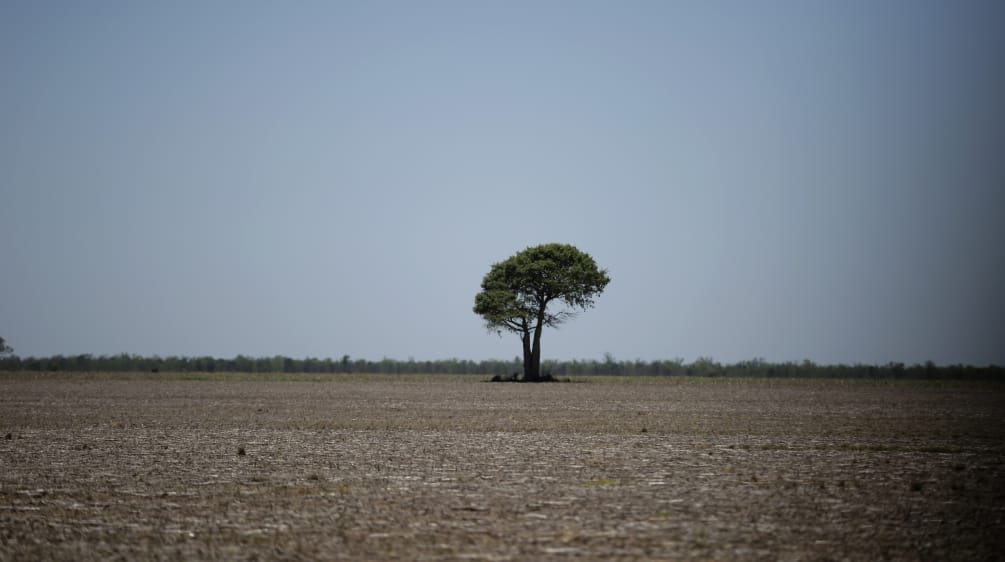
{"x": 515, "y": 377}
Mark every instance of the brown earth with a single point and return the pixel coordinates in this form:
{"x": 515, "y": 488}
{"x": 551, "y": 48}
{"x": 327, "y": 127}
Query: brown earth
{"x": 451, "y": 468}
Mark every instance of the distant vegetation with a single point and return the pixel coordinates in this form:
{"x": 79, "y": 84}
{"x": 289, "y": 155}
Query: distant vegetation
{"x": 702, "y": 367}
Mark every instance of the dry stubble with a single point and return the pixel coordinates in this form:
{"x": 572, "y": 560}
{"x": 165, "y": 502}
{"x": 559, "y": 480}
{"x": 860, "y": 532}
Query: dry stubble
{"x": 452, "y": 468}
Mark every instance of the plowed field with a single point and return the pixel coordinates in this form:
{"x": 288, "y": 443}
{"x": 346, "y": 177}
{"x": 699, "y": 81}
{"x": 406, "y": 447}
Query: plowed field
{"x": 452, "y": 468}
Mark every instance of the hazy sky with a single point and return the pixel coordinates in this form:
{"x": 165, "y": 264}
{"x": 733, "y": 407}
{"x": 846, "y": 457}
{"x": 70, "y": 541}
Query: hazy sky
{"x": 777, "y": 179}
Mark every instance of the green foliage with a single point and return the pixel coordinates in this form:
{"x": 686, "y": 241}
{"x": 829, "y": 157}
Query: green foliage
{"x": 516, "y": 294}
{"x": 4, "y": 348}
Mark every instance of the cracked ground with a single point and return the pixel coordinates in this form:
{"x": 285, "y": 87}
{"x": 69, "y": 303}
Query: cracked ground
{"x": 154, "y": 467}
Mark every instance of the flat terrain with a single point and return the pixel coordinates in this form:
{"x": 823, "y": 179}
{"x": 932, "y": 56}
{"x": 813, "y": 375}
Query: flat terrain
{"x": 451, "y": 468}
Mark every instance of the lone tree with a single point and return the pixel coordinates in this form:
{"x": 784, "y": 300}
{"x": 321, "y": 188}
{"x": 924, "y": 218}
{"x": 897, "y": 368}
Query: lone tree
{"x": 4, "y": 348}
{"x": 516, "y": 293}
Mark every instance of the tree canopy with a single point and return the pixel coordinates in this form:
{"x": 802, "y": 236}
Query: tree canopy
{"x": 516, "y": 294}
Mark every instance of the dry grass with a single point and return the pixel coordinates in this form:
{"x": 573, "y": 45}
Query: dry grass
{"x": 450, "y": 468}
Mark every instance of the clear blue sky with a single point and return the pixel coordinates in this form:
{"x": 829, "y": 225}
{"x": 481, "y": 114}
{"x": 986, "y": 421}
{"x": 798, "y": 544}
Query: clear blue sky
{"x": 776, "y": 179}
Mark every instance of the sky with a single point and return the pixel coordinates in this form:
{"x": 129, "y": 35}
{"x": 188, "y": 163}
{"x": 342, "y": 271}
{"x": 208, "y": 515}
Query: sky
{"x": 780, "y": 179}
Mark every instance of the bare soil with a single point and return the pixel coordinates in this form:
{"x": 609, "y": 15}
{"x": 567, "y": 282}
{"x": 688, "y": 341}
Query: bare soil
{"x": 451, "y": 468}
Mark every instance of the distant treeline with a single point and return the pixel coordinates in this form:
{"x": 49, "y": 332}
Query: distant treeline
{"x": 702, "y": 367}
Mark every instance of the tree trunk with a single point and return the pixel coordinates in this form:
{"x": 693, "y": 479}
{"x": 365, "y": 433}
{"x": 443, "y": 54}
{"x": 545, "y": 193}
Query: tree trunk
{"x": 535, "y": 355}
{"x": 527, "y": 355}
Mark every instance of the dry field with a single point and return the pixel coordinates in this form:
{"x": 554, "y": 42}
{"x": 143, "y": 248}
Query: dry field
{"x": 451, "y": 468}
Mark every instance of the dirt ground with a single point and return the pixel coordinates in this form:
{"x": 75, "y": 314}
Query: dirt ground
{"x": 452, "y": 468}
